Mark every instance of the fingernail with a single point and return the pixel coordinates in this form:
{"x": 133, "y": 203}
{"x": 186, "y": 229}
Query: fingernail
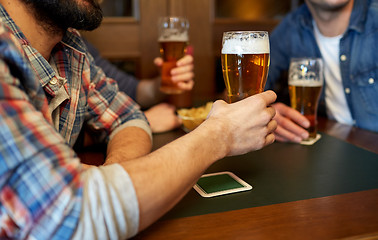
{"x": 306, "y": 124}
{"x": 305, "y": 135}
{"x": 297, "y": 139}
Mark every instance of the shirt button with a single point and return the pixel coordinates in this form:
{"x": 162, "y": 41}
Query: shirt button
{"x": 347, "y": 90}
{"x": 343, "y": 58}
{"x": 371, "y": 80}
{"x": 53, "y": 81}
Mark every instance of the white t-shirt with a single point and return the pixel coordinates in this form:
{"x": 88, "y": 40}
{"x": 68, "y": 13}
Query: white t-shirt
{"x": 336, "y": 104}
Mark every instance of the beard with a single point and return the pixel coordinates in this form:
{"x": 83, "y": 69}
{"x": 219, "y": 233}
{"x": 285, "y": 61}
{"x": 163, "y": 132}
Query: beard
{"x": 59, "y": 15}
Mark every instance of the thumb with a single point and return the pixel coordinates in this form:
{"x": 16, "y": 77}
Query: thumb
{"x": 158, "y": 61}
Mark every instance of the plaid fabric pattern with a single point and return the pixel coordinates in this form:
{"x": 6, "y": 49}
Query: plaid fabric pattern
{"x": 40, "y": 186}
{"x": 40, "y": 189}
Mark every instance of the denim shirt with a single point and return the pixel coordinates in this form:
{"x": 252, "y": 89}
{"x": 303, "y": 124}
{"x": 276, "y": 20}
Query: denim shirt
{"x": 294, "y": 37}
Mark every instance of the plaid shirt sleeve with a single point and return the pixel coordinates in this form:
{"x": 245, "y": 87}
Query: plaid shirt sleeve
{"x": 40, "y": 186}
{"x": 108, "y": 108}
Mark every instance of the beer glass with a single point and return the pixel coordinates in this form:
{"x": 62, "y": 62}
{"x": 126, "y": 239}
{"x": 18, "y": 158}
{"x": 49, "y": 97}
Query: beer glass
{"x": 245, "y": 63}
{"x": 305, "y": 85}
{"x": 173, "y": 39}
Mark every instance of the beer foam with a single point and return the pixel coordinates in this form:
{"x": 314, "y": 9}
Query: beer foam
{"x": 252, "y": 46}
{"x": 173, "y": 36}
{"x": 305, "y": 83}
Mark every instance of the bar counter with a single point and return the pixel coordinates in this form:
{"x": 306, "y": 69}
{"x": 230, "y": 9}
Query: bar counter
{"x": 325, "y": 191}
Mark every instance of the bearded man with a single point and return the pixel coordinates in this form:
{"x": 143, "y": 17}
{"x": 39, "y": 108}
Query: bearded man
{"x": 49, "y": 88}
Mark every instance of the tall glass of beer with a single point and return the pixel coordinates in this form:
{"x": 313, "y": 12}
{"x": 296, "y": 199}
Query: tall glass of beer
{"x": 305, "y": 85}
{"x": 245, "y": 63}
{"x": 173, "y": 39}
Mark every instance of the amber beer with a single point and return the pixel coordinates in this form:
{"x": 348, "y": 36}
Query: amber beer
{"x": 245, "y": 63}
{"x": 171, "y": 51}
{"x": 173, "y": 39}
{"x": 244, "y": 74}
{"x": 305, "y": 86}
{"x": 304, "y": 98}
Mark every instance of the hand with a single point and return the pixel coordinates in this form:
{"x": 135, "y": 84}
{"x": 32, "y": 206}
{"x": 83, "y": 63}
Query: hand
{"x": 162, "y": 118}
{"x": 247, "y": 125}
{"x": 183, "y": 72}
{"x": 291, "y": 124}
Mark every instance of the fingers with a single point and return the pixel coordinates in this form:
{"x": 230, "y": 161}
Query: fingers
{"x": 291, "y": 130}
{"x": 267, "y": 98}
{"x": 187, "y": 59}
{"x": 279, "y": 138}
{"x": 182, "y": 69}
{"x": 283, "y": 135}
{"x": 158, "y": 61}
{"x": 272, "y": 112}
{"x": 183, "y": 74}
{"x": 292, "y": 114}
{"x": 288, "y": 128}
{"x": 186, "y": 86}
{"x": 162, "y": 118}
{"x": 271, "y": 127}
{"x": 269, "y": 139}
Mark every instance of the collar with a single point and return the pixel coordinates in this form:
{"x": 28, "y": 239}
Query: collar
{"x": 357, "y": 18}
{"x": 359, "y": 15}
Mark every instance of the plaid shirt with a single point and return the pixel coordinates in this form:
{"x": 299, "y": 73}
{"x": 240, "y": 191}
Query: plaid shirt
{"x": 40, "y": 186}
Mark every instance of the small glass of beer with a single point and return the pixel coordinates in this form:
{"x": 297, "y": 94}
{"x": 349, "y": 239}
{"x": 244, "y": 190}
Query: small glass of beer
{"x": 173, "y": 40}
{"x": 245, "y": 63}
{"x": 305, "y": 85}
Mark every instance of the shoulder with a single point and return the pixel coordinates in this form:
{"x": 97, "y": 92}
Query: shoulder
{"x": 371, "y": 23}
{"x": 12, "y": 53}
{"x": 373, "y": 9}
{"x": 8, "y": 39}
{"x": 374, "y": 4}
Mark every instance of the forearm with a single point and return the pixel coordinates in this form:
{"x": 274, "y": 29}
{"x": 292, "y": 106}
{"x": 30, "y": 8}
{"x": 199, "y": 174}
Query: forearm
{"x": 173, "y": 169}
{"x": 129, "y": 143}
{"x": 163, "y": 177}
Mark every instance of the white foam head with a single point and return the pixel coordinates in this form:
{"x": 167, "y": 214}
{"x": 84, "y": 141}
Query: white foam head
{"x": 174, "y": 36}
{"x": 245, "y": 43}
{"x": 305, "y": 83}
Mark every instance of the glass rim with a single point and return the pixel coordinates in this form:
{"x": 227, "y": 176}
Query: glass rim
{"x": 247, "y": 31}
{"x": 306, "y": 59}
{"x": 174, "y": 18}
{"x": 164, "y": 22}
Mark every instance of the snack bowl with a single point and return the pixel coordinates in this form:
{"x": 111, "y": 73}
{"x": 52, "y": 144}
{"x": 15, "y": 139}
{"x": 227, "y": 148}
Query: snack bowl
{"x": 193, "y": 117}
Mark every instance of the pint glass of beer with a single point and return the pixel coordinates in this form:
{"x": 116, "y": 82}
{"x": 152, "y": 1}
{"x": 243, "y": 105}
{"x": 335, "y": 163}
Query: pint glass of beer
{"x": 245, "y": 63}
{"x": 173, "y": 39}
{"x": 305, "y": 85}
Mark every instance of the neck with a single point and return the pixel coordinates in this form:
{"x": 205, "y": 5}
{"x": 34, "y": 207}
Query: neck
{"x": 331, "y": 23}
{"x": 38, "y": 36}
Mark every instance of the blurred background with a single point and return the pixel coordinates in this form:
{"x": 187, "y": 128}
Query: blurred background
{"x": 128, "y": 35}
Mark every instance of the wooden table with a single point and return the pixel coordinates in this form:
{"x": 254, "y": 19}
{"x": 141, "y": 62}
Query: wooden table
{"x": 348, "y": 214}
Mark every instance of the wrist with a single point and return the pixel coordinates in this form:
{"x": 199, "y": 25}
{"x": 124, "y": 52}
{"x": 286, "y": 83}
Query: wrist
{"x": 216, "y": 133}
